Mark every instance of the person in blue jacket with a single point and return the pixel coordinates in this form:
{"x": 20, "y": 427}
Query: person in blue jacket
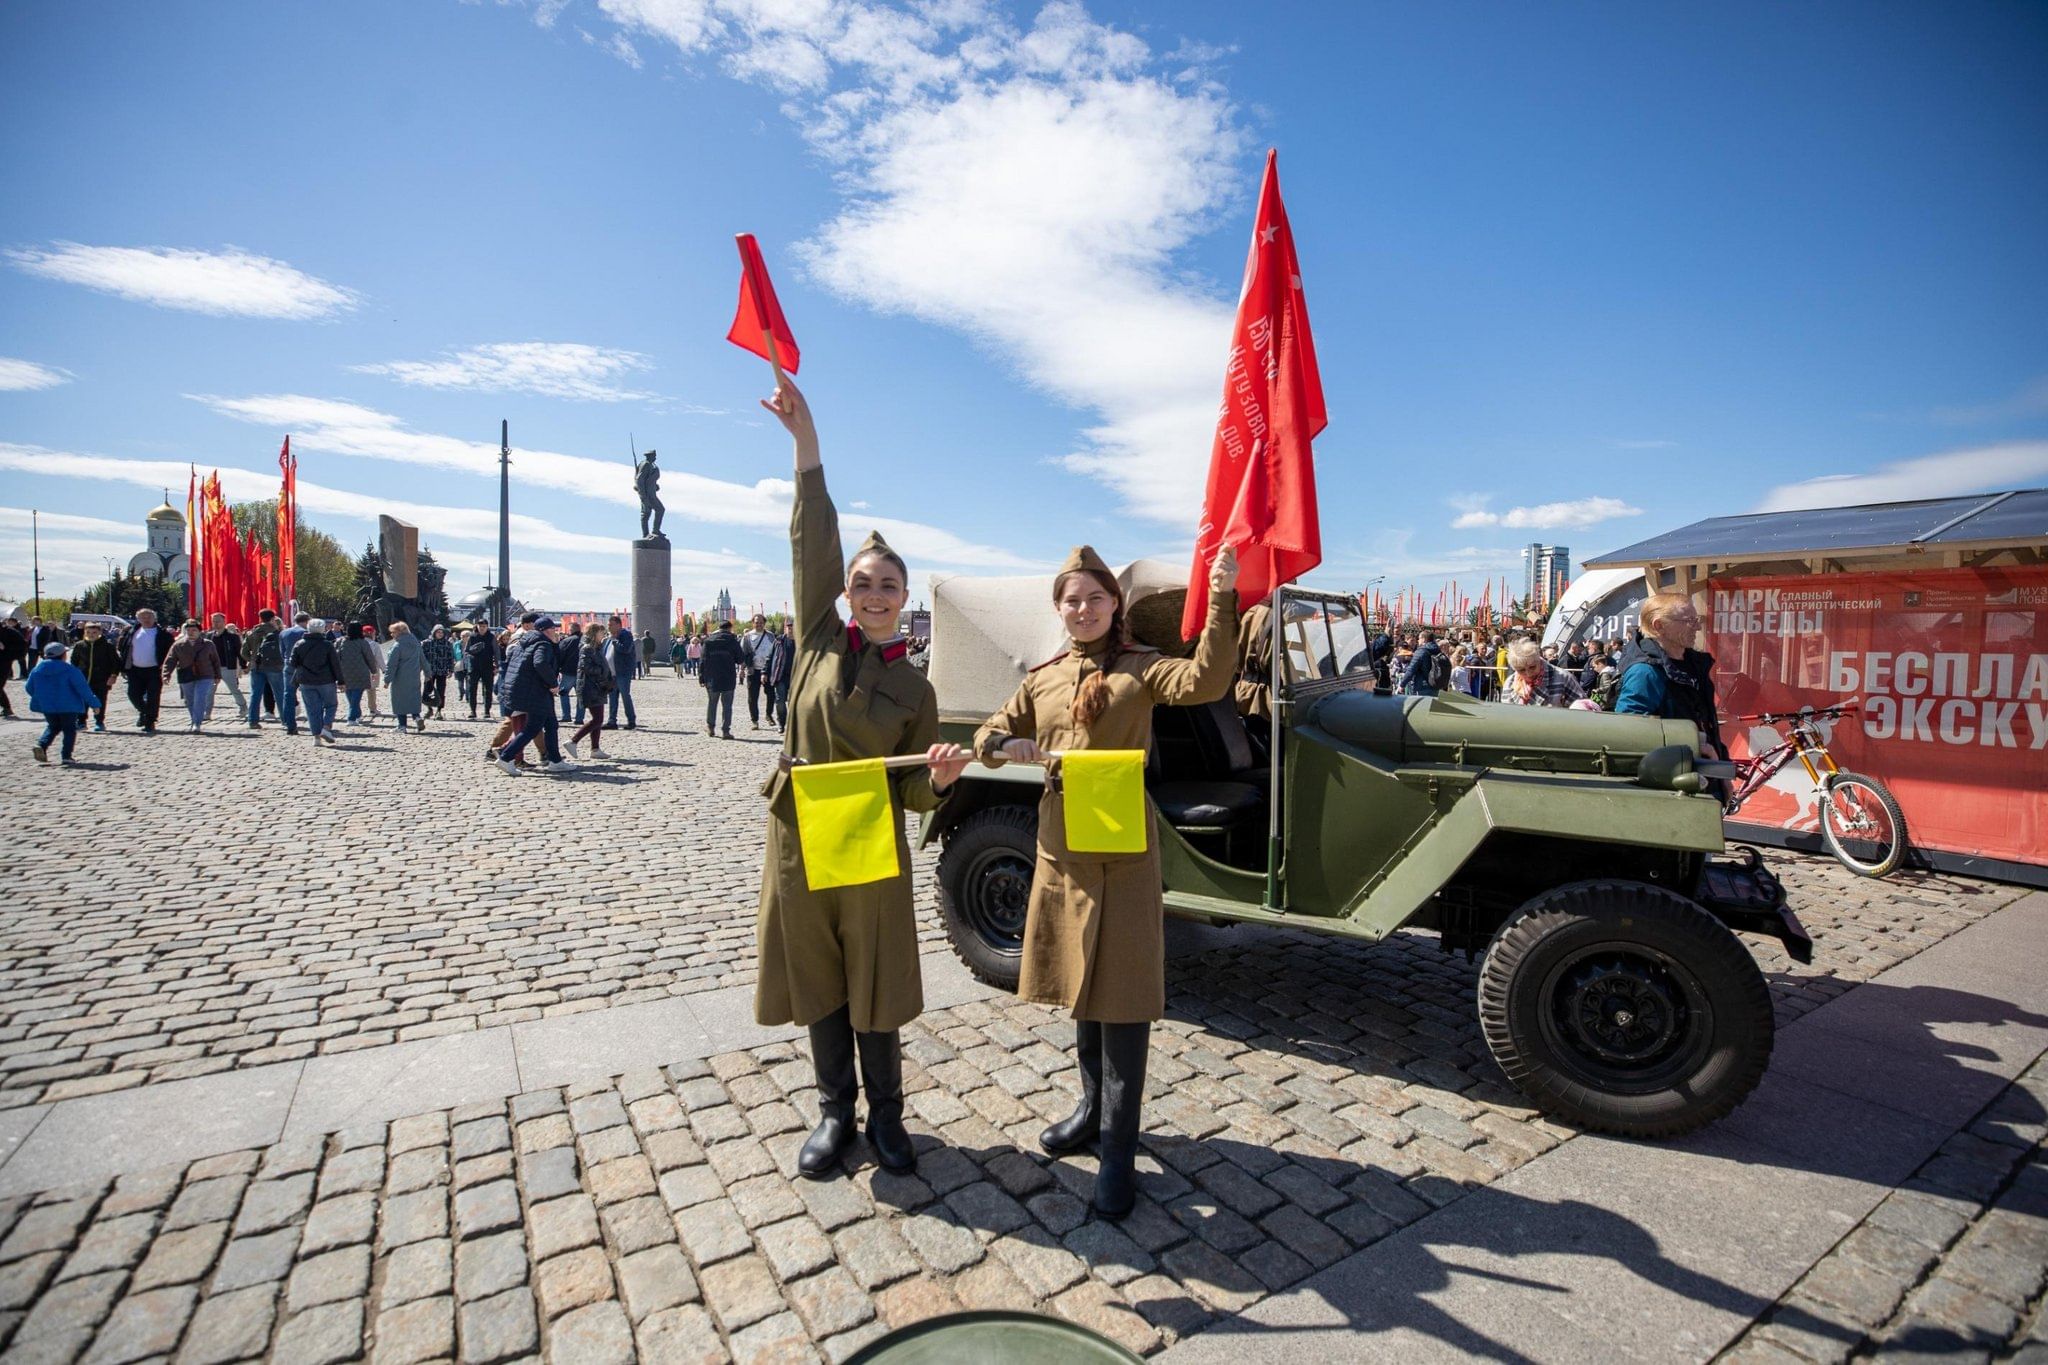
{"x": 59, "y": 691}
{"x": 1663, "y": 675}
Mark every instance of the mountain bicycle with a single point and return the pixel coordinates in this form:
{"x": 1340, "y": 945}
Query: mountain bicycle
{"x": 1860, "y": 819}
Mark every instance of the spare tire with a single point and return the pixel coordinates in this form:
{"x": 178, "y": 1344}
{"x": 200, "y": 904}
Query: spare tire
{"x": 1625, "y": 1008}
{"x": 984, "y": 887}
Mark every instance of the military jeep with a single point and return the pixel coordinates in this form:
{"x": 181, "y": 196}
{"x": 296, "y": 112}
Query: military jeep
{"x": 1579, "y": 853}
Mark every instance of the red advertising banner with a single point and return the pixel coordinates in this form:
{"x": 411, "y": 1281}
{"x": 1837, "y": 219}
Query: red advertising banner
{"x": 1952, "y": 669}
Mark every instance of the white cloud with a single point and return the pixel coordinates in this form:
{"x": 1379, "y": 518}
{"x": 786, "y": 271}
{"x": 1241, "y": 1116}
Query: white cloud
{"x": 1028, "y": 187}
{"x": 231, "y": 282}
{"x": 1948, "y": 474}
{"x": 552, "y": 369}
{"x": 1548, "y": 516}
{"x": 72, "y": 551}
{"x": 63, "y": 523}
{"x": 22, "y": 376}
{"x": 327, "y": 425}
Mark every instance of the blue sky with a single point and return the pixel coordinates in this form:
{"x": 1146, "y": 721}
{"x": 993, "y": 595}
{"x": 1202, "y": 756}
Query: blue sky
{"x": 1578, "y": 273}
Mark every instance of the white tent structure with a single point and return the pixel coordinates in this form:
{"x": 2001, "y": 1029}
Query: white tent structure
{"x": 1599, "y": 605}
{"x": 988, "y": 632}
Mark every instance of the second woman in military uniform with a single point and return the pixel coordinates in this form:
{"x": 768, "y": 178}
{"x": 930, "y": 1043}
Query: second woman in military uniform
{"x": 843, "y": 962}
{"x": 1094, "y": 938}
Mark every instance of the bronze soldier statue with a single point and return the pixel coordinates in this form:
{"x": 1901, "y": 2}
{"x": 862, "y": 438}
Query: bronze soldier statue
{"x": 646, "y": 478}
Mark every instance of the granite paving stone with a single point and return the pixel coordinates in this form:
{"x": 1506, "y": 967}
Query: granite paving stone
{"x": 1308, "y": 1097}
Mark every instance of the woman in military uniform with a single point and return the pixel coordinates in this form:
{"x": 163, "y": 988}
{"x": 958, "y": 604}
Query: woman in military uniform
{"x": 1093, "y": 927}
{"x": 843, "y": 961}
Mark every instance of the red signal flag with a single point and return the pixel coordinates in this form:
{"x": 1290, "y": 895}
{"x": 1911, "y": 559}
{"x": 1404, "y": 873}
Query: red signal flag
{"x": 758, "y": 325}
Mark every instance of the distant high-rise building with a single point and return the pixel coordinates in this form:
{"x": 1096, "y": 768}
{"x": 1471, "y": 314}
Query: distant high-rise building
{"x": 1545, "y": 571}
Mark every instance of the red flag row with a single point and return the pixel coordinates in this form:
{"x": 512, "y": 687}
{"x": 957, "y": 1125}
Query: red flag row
{"x": 238, "y": 576}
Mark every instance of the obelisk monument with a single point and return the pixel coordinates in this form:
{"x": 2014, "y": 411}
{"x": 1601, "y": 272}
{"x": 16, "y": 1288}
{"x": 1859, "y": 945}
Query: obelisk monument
{"x": 653, "y": 588}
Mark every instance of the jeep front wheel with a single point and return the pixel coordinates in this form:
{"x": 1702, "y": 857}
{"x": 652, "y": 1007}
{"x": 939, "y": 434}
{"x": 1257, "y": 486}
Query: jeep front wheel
{"x": 984, "y": 886}
{"x": 1624, "y": 1008}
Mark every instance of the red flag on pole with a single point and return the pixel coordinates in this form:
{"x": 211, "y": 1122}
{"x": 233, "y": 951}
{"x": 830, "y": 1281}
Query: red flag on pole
{"x": 1261, "y": 495}
{"x": 758, "y": 325}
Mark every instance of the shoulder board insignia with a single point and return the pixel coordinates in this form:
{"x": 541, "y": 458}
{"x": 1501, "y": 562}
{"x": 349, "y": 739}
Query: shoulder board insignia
{"x": 1049, "y": 662}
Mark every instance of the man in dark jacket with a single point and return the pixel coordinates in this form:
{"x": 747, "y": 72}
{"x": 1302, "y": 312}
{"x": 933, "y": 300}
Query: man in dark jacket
{"x": 1421, "y": 679}
{"x": 263, "y": 657}
{"x": 42, "y": 634}
{"x": 780, "y": 669}
{"x": 720, "y": 674}
{"x": 569, "y": 655}
{"x": 13, "y": 652}
{"x": 533, "y": 674}
{"x": 480, "y": 664}
{"x": 144, "y": 647}
{"x": 623, "y": 655}
{"x": 288, "y": 640}
{"x": 315, "y": 665}
{"x": 100, "y": 660}
{"x": 227, "y": 646}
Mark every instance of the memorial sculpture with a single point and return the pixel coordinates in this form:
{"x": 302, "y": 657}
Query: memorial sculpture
{"x": 652, "y": 595}
{"x": 646, "y": 479}
{"x": 400, "y": 585}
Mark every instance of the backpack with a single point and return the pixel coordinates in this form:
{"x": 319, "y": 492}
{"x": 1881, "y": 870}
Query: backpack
{"x": 1608, "y": 690}
{"x": 1440, "y": 671}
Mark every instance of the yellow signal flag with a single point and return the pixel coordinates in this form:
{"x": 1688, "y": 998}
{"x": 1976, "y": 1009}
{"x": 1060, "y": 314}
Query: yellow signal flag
{"x": 846, "y": 823}
{"x": 1105, "y": 800}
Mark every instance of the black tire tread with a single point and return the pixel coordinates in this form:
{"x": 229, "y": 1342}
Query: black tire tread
{"x": 1891, "y": 808}
{"x": 965, "y": 841}
{"x": 1558, "y": 1095}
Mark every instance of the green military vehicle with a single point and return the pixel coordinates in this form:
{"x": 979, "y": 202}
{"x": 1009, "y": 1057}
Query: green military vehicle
{"x": 1577, "y": 851}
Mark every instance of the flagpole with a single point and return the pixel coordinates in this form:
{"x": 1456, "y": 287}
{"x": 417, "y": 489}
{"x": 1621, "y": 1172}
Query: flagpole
{"x": 1277, "y": 685}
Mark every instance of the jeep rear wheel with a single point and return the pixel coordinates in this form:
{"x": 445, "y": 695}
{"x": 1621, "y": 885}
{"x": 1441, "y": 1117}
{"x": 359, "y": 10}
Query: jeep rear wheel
{"x": 1624, "y": 1008}
{"x": 984, "y": 887}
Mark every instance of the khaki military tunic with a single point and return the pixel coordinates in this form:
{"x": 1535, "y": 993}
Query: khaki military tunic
{"x": 1253, "y": 690}
{"x": 1094, "y": 932}
{"x": 848, "y": 698}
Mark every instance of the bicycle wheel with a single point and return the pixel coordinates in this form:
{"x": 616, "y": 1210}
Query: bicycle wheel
{"x": 1862, "y": 824}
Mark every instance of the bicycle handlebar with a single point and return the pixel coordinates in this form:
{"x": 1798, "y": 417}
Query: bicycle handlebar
{"x": 1840, "y": 708}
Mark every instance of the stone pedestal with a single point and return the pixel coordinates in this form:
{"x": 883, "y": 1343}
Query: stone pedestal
{"x": 654, "y": 598}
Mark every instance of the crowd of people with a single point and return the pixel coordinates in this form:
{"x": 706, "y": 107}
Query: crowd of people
{"x": 1505, "y": 666}
{"x": 299, "y": 675}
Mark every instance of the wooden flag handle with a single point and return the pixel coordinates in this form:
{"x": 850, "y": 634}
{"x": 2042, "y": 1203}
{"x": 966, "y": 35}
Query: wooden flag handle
{"x": 774, "y": 354}
{"x": 899, "y": 761}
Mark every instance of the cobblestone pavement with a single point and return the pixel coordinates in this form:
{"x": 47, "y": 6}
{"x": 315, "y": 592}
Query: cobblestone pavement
{"x": 394, "y": 887}
{"x": 1952, "y": 1264}
{"x": 657, "y": 1212}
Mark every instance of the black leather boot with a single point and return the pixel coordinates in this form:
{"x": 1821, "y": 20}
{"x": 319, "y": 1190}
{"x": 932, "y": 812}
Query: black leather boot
{"x": 881, "y": 1075}
{"x": 1123, "y": 1098}
{"x": 832, "y": 1058}
{"x": 1078, "y": 1129}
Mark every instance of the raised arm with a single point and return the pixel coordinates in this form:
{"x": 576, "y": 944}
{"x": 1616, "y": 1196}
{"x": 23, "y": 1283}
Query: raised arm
{"x": 817, "y": 563}
{"x": 1206, "y": 675}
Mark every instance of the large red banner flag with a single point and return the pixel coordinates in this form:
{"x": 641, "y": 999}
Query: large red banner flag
{"x": 1261, "y": 495}
{"x": 758, "y": 325}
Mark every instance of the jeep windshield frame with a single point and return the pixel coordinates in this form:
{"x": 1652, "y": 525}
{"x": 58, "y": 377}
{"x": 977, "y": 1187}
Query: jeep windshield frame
{"x": 1319, "y": 645}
